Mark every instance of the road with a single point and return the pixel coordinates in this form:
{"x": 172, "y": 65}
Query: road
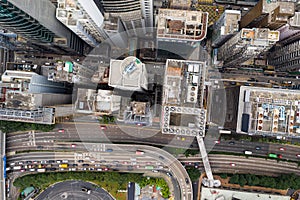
{"x": 2, "y": 153}
{"x": 121, "y": 153}
{"x": 222, "y": 164}
{"x": 70, "y": 190}
{"x": 55, "y": 141}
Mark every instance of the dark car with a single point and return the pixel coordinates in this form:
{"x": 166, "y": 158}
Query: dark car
{"x": 187, "y": 180}
{"x": 161, "y": 157}
{"x": 75, "y": 165}
{"x": 232, "y": 142}
{"x": 80, "y": 161}
{"x": 85, "y": 165}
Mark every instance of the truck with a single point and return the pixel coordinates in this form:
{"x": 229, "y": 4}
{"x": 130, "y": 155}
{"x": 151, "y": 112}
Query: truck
{"x": 64, "y": 165}
{"x": 41, "y": 170}
{"x": 17, "y": 167}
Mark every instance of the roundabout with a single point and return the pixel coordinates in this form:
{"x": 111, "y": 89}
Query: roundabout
{"x": 75, "y": 190}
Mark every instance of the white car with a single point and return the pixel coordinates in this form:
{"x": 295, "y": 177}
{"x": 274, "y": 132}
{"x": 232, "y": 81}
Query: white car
{"x": 32, "y": 170}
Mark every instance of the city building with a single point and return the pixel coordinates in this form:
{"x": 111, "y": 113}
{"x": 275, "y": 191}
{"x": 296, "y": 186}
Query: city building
{"x": 179, "y": 33}
{"x": 35, "y": 21}
{"x": 136, "y": 15}
{"x": 83, "y": 18}
{"x": 257, "y": 110}
{"x": 29, "y": 97}
{"x": 138, "y": 113}
{"x": 224, "y": 194}
{"x": 181, "y": 25}
{"x": 97, "y": 102}
{"x": 128, "y": 74}
{"x": 246, "y": 44}
{"x": 71, "y": 72}
{"x": 182, "y": 101}
{"x": 226, "y": 27}
{"x": 285, "y": 56}
{"x": 269, "y": 14}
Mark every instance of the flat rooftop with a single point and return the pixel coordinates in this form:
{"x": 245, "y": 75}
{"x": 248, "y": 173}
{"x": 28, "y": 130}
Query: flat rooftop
{"x": 222, "y": 194}
{"x": 182, "y": 100}
{"x": 182, "y": 24}
{"x": 265, "y": 110}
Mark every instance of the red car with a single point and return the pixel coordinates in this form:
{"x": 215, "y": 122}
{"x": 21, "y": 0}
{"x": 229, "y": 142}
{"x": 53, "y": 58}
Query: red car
{"x": 217, "y": 142}
{"x": 102, "y": 127}
{"x": 61, "y": 130}
{"x": 279, "y": 156}
{"x": 73, "y": 145}
{"x": 282, "y": 149}
{"x": 298, "y": 155}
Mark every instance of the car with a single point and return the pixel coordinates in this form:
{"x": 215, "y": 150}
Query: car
{"x": 61, "y": 130}
{"x": 155, "y": 171}
{"x": 217, "y": 142}
{"x": 102, "y": 127}
{"x": 232, "y": 164}
{"x": 92, "y": 161}
{"x": 44, "y": 162}
{"x": 279, "y": 156}
{"x": 73, "y": 145}
{"x": 22, "y": 170}
{"x": 232, "y": 142}
{"x": 169, "y": 174}
{"x": 99, "y": 169}
{"x": 282, "y": 149}
{"x": 247, "y": 84}
{"x": 91, "y": 169}
{"x": 125, "y": 162}
{"x": 298, "y": 155}
{"x": 32, "y": 170}
{"x": 51, "y": 161}
{"x": 85, "y": 165}
{"x": 80, "y": 161}
{"x": 187, "y": 181}
{"x": 28, "y": 162}
{"x": 258, "y": 148}
{"x": 105, "y": 169}
{"x": 161, "y": 157}
{"x": 232, "y": 83}
{"x": 59, "y": 161}
{"x": 88, "y": 191}
{"x": 65, "y": 161}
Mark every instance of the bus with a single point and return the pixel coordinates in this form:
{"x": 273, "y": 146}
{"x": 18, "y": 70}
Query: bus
{"x": 149, "y": 167}
{"x": 64, "y": 165}
{"x": 273, "y": 155}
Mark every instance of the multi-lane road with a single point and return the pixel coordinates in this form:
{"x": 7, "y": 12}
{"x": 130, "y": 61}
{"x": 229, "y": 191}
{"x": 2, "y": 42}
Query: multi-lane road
{"x": 121, "y": 156}
{"x": 97, "y": 141}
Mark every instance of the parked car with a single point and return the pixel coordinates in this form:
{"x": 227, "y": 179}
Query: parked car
{"x": 61, "y": 130}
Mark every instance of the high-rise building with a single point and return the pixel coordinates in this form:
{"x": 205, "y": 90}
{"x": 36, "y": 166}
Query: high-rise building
{"x": 269, "y": 14}
{"x": 29, "y": 97}
{"x": 181, "y": 25}
{"x": 83, "y": 18}
{"x": 247, "y": 44}
{"x": 128, "y": 74}
{"x": 179, "y": 33}
{"x": 226, "y": 27}
{"x": 257, "y": 110}
{"x": 182, "y": 101}
{"x": 285, "y": 56}
{"x": 35, "y": 21}
{"x": 97, "y": 102}
{"x": 136, "y": 15}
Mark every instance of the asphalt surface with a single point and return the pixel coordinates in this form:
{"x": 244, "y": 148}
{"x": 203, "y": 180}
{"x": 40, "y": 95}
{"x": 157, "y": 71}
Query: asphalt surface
{"x": 2, "y": 153}
{"x": 121, "y": 156}
{"x": 72, "y": 190}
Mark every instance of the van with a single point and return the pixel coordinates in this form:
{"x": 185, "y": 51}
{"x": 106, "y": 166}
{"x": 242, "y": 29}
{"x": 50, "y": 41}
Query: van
{"x": 248, "y": 152}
